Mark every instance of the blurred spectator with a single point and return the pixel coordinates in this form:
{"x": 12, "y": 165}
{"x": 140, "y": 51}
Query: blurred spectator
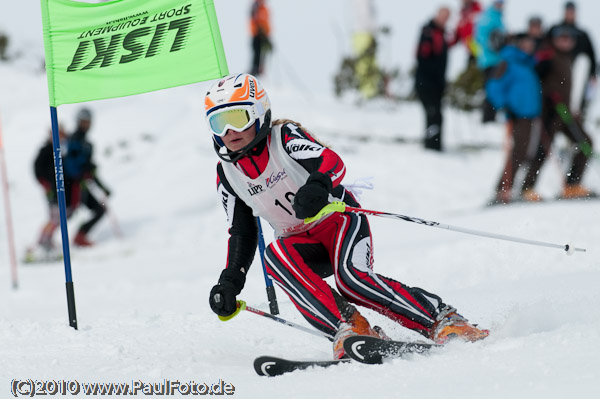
{"x": 515, "y": 87}
{"x": 260, "y": 29}
{"x": 3, "y": 46}
{"x": 464, "y": 30}
{"x": 430, "y": 79}
{"x": 364, "y": 44}
{"x": 554, "y": 68}
{"x": 535, "y": 30}
{"x": 490, "y": 35}
{"x": 463, "y": 93}
{"x": 583, "y": 45}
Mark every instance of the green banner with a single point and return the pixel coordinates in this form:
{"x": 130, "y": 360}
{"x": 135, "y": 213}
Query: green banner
{"x": 125, "y": 47}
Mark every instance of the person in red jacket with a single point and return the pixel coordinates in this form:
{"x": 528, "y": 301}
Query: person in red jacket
{"x": 464, "y": 29}
{"x": 280, "y": 172}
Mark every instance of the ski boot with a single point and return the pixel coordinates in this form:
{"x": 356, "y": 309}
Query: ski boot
{"x": 355, "y": 325}
{"x": 529, "y": 195}
{"x": 576, "y": 191}
{"x": 81, "y": 240}
{"x": 450, "y": 325}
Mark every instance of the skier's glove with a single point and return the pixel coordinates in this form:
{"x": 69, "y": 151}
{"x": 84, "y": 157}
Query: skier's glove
{"x": 312, "y": 196}
{"x": 222, "y": 296}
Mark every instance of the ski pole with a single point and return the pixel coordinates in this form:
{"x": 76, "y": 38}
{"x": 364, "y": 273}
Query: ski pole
{"x": 342, "y": 207}
{"x": 113, "y": 219}
{"x": 241, "y": 305}
{"x": 271, "y": 296}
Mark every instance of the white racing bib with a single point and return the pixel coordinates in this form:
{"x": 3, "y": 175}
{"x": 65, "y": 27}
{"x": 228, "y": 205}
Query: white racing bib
{"x": 270, "y": 195}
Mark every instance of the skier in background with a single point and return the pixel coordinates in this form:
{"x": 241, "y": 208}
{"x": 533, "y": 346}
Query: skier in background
{"x": 43, "y": 168}
{"x": 260, "y": 29}
{"x": 279, "y": 171}
{"x": 554, "y": 68}
{"x": 430, "y": 77}
{"x": 80, "y": 171}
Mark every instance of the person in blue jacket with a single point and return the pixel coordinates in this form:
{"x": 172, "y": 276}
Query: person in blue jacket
{"x": 515, "y": 87}
{"x": 490, "y": 34}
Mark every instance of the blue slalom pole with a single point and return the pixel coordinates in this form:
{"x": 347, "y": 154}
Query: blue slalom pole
{"x": 62, "y": 208}
{"x": 273, "y": 307}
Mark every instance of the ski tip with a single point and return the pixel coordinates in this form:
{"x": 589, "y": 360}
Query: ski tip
{"x": 265, "y": 366}
{"x": 372, "y": 350}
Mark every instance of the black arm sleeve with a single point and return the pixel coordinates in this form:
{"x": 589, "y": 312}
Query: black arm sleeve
{"x": 243, "y": 229}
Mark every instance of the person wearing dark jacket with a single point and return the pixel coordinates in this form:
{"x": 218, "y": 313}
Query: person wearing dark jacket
{"x": 430, "y": 78}
{"x": 554, "y": 67}
{"x": 583, "y": 45}
{"x": 43, "y": 168}
{"x": 515, "y": 87}
{"x": 80, "y": 170}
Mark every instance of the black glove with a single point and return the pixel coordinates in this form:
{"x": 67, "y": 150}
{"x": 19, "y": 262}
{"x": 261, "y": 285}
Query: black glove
{"x": 312, "y": 196}
{"x": 222, "y": 296}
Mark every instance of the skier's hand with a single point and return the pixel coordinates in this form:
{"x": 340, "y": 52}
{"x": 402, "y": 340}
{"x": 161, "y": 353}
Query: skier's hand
{"x": 222, "y": 299}
{"x": 312, "y": 196}
{"x": 222, "y": 296}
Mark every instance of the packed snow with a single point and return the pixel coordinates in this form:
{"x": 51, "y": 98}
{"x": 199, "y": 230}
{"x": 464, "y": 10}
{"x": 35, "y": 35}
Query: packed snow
{"x": 142, "y": 291}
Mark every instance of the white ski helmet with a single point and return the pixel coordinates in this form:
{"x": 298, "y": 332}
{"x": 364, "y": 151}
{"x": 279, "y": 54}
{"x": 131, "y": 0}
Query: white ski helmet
{"x": 237, "y": 102}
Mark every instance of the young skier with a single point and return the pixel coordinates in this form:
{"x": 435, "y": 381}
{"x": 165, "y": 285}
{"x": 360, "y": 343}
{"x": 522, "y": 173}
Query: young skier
{"x": 278, "y": 171}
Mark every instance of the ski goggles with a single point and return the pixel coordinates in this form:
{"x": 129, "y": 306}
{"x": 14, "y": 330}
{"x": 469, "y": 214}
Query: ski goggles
{"x": 237, "y": 118}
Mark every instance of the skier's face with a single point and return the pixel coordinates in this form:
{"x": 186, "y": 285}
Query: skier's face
{"x": 235, "y": 141}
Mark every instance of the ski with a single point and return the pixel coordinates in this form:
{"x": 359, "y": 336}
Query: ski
{"x": 373, "y": 350}
{"x": 272, "y": 366}
{"x": 514, "y": 201}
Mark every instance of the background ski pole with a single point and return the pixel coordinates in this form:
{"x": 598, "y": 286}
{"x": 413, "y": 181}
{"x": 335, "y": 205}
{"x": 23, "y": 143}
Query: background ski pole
{"x": 342, "y": 207}
{"x": 271, "y": 296}
{"x": 563, "y": 111}
{"x": 8, "y": 214}
{"x": 241, "y": 305}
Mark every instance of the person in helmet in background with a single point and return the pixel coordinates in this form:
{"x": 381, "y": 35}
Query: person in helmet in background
{"x": 280, "y": 172}
{"x": 80, "y": 170}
